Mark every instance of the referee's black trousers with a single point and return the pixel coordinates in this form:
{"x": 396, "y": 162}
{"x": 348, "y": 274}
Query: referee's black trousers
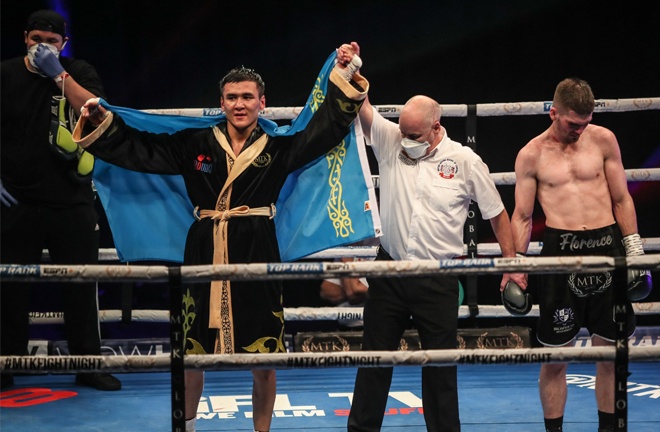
{"x": 432, "y": 302}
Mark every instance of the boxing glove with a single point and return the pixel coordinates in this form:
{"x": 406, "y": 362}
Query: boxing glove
{"x": 85, "y": 167}
{"x": 515, "y": 300}
{"x": 59, "y": 136}
{"x": 640, "y": 283}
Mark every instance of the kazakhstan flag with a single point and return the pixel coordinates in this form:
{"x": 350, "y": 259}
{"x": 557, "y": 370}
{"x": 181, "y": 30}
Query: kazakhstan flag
{"x": 335, "y": 192}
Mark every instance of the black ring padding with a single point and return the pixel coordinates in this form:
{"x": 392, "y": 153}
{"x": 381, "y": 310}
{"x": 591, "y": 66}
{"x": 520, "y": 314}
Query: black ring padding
{"x": 471, "y": 127}
{"x": 621, "y": 262}
{"x": 470, "y": 230}
{"x": 621, "y": 372}
{"x": 470, "y": 236}
{"x": 473, "y": 309}
{"x": 174, "y": 275}
{"x": 177, "y": 346}
{"x": 126, "y": 302}
{"x": 471, "y": 224}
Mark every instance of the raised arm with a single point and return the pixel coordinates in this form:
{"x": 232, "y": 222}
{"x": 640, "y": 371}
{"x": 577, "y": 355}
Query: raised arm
{"x": 366, "y": 117}
{"x": 345, "y": 54}
{"x": 50, "y": 65}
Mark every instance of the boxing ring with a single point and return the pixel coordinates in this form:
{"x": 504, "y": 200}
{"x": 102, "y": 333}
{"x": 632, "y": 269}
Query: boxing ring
{"x": 497, "y": 387}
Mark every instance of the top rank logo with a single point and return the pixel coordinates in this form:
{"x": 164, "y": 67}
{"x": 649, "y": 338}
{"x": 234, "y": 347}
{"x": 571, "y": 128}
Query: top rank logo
{"x": 19, "y": 270}
{"x": 212, "y": 112}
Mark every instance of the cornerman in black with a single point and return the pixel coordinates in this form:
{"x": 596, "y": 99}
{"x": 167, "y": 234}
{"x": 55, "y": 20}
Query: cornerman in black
{"x": 45, "y": 189}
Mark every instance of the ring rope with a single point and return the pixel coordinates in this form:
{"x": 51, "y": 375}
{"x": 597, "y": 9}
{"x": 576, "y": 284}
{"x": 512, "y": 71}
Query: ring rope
{"x": 448, "y": 110}
{"x": 333, "y": 313}
{"x": 324, "y": 270}
{"x": 632, "y": 175}
{"x": 650, "y": 244}
{"x": 312, "y": 360}
{"x": 509, "y": 178}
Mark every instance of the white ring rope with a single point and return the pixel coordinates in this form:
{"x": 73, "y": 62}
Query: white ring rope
{"x": 333, "y": 313}
{"x": 448, "y": 110}
{"x": 632, "y": 175}
{"x": 485, "y": 249}
{"x": 322, "y": 270}
{"x": 509, "y": 178}
{"x": 309, "y": 360}
{"x": 355, "y": 313}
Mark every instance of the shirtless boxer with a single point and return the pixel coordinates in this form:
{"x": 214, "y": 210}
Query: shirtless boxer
{"x": 575, "y": 171}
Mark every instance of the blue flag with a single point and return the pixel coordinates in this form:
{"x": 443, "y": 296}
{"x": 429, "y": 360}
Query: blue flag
{"x": 333, "y": 197}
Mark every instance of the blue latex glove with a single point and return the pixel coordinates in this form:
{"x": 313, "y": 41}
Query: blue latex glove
{"x": 47, "y": 62}
{"x": 7, "y": 199}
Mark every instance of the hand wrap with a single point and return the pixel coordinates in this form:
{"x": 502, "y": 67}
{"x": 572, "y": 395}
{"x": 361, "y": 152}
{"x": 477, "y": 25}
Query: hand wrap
{"x": 640, "y": 283}
{"x": 353, "y": 66}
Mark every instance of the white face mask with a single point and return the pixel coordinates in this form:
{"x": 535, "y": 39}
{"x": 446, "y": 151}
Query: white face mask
{"x": 414, "y": 149}
{"x": 33, "y": 50}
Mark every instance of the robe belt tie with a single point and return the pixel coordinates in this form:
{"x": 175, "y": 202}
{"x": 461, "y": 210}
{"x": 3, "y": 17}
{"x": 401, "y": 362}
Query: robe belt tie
{"x": 240, "y": 211}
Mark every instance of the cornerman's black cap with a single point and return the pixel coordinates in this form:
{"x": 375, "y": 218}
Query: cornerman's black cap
{"x": 46, "y": 20}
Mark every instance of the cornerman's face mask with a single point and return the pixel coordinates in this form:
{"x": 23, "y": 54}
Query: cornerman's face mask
{"x": 33, "y": 50}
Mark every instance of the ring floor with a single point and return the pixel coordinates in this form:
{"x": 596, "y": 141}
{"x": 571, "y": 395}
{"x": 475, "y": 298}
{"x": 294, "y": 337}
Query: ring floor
{"x": 491, "y": 397}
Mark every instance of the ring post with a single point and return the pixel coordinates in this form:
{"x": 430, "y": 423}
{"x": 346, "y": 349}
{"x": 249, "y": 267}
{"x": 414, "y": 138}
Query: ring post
{"x": 470, "y": 235}
{"x": 177, "y": 351}
{"x": 621, "y": 358}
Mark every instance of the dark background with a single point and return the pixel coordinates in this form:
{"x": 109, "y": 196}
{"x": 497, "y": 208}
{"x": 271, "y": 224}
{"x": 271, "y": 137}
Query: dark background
{"x": 171, "y": 54}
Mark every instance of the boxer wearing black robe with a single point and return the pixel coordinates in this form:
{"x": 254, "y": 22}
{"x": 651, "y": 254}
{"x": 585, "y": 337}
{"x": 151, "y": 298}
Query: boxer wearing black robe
{"x": 248, "y": 315}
